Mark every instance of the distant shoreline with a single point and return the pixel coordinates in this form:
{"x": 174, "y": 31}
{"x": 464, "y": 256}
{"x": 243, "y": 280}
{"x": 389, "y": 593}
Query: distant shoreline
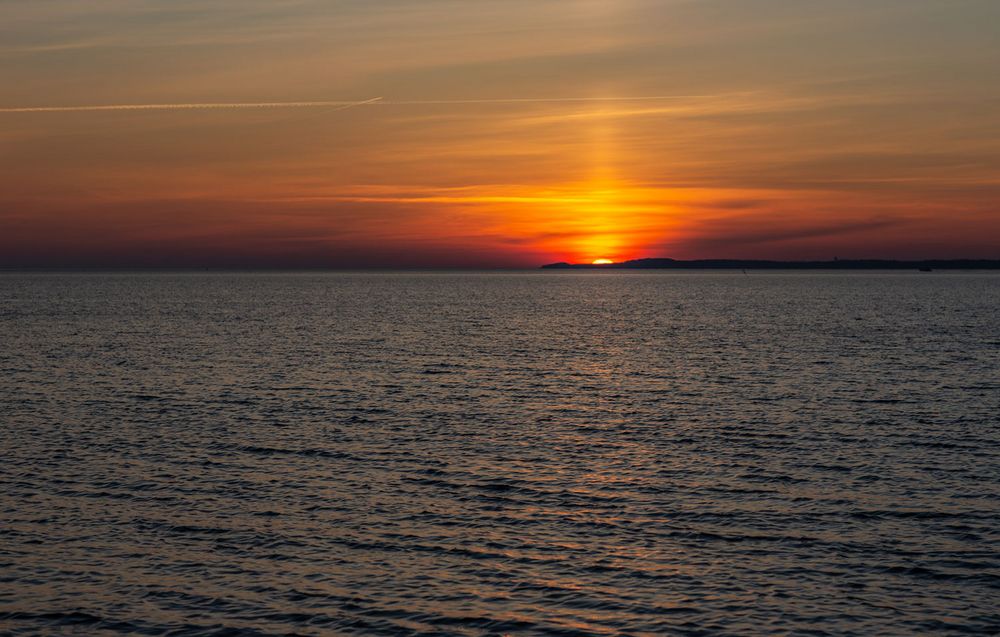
{"x": 748, "y": 264}
{"x": 637, "y": 264}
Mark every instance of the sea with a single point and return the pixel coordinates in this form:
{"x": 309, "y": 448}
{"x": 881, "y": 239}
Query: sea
{"x": 500, "y": 453}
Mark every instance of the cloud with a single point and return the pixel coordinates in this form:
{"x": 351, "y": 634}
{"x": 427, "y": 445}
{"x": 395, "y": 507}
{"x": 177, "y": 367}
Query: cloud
{"x": 346, "y": 104}
{"x": 338, "y": 105}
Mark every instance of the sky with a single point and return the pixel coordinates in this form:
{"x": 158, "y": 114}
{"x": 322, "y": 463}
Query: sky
{"x": 508, "y": 134}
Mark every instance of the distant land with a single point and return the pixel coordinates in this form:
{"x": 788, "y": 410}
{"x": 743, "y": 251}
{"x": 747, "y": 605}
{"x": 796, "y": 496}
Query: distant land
{"x": 744, "y": 264}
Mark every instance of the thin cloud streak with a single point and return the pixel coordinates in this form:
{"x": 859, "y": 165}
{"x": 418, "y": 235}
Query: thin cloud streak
{"x": 546, "y": 100}
{"x": 341, "y": 103}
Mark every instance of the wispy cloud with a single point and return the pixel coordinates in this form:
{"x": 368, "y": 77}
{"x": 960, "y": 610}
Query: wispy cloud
{"x": 337, "y": 105}
{"x": 343, "y": 103}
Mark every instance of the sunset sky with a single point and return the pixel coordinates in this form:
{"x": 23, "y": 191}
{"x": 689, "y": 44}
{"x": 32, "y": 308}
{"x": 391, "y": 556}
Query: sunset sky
{"x": 508, "y": 134}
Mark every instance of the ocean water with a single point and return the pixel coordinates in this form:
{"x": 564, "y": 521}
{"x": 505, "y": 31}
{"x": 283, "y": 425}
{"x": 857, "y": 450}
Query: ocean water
{"x": 536, "y": 453}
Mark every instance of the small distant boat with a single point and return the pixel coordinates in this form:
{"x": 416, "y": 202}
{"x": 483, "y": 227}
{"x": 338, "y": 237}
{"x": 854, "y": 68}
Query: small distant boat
{"x": 926, "y": 269}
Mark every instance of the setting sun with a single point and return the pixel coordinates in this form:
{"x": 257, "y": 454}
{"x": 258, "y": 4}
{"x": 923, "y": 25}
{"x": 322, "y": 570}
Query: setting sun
{"x": 603, "y": 261}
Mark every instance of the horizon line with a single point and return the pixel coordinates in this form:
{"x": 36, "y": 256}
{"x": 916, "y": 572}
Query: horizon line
{"x": 991, "y": 263}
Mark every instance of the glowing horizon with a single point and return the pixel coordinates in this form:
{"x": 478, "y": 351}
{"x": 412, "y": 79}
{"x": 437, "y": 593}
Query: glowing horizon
{"x": 504, "y": 135}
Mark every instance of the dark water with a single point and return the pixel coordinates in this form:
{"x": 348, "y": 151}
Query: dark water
{"x": 528, "y": 453}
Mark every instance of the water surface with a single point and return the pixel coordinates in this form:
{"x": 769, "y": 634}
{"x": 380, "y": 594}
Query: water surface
{"x": 570, "y": 453}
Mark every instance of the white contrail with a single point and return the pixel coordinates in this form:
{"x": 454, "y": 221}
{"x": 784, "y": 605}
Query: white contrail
{"x": 339, "y": 105}
{"x": 344, "y": 107}
{"x": 543, "y": 100}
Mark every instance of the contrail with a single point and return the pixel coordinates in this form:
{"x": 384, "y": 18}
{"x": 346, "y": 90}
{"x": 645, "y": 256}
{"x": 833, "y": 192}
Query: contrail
{"x": 341, "y": 105}
{"x": 543, "y": 100}
{"x": 344, "y": 107}
{"x": 338, "y": 105}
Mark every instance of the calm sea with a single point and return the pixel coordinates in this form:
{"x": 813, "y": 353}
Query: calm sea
{"x": 537, "y": 453}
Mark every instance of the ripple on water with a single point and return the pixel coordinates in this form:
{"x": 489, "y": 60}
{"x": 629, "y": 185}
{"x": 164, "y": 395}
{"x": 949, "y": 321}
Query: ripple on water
{"x": 524, "y": 453}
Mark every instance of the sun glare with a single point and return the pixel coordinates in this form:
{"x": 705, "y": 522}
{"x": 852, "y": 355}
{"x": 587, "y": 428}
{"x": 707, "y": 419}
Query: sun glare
{"x": 603, "y": 261}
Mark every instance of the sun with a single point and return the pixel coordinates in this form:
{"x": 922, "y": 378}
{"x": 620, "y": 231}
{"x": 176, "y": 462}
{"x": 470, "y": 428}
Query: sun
{"x": 603, "y": 261}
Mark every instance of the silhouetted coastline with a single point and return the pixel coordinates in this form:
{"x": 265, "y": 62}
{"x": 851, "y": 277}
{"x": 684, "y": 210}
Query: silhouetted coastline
{"x": 745, "y": 264}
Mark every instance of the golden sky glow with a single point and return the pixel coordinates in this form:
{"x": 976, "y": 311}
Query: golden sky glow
{"x": 807, "y": 129}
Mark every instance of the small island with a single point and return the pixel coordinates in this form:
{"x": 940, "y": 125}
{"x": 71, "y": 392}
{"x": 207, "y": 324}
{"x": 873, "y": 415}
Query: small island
{"x": 928, "y": 265}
